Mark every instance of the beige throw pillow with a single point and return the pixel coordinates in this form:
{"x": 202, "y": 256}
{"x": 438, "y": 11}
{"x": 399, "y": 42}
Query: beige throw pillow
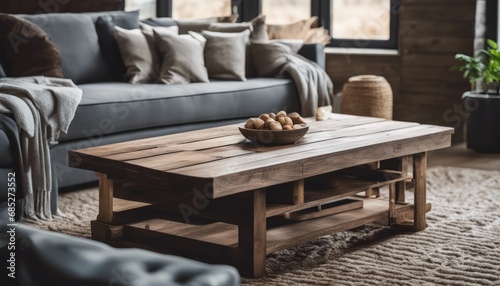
{"x": 259, "y": 29}
{"x": 182, "y": 58}
{"x": 148, "y": 31}
{"x": 225, "y": 54}
{"x": 297, "y": 30}
{"x": 140, "y": 61}
{"x": 198, "y": 25}
{"x": 235, "y": 28}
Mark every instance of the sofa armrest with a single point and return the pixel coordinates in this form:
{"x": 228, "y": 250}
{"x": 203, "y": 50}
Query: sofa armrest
{"x": 315, "y": 53}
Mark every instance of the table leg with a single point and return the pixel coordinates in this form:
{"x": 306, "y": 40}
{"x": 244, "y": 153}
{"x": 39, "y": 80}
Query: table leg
{"x": 419, "y": 175}
{"x": 252, "y": 235}
{"x": 105, "y": 198}
{"x": 401, "y": 186}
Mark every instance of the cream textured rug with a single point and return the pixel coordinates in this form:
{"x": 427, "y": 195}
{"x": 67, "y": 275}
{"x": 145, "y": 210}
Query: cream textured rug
{"x": 461, "y": 245}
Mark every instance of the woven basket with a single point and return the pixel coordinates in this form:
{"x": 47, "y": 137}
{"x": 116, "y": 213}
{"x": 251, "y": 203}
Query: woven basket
{"x": 367, "y": 95}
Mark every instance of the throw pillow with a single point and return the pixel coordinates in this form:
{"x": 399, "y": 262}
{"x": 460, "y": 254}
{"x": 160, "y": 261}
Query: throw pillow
{"x": 198, "y": 25}
{"x": 225, "y": 54}
{"x": 318, "y": 35}
{"x": 148, "y": 32}
{"x": 259, "y": 29}
{"x": 294, "y": 44}
{"x": 109, "y": 47}
{"x": 28, "y": 50}
{"x": 140, "y": 61}
{"x": 182, "y": 58}
{"x": 160, "y": 22}
{"x": 234, "y": 28}
{"x": 269, "y": 58}
{"x": 297, "y": 30}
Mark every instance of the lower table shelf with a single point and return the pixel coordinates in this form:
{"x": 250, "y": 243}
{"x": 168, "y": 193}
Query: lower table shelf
{"x": 221, "y": 239}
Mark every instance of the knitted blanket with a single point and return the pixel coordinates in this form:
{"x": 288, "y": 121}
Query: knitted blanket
{"x": 43, "y": 107}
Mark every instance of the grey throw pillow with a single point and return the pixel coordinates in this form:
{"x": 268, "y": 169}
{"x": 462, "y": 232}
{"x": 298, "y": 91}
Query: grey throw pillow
{"x": 141, "y": 63}
{"x": 198, "y": 25}
{"x": 182, "y": 58}
{"x": 148, "y": 32}
{"x": 235, "y": 28}
{"x": 259, "y": 29}
{"x": 269, "y": 58}
{"x": 225, "y": 54}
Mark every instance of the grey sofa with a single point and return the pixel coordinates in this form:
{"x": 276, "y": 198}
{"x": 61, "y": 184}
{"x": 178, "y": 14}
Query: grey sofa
{"x": 112, "y": 110}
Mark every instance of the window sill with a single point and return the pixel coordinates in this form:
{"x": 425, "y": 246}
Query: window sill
{"x": 368, "y": 52}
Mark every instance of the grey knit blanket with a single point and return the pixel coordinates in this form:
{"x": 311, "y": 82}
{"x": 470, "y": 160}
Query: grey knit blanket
{"x": 313, "y": 83}
{"x": 43, "y": 108}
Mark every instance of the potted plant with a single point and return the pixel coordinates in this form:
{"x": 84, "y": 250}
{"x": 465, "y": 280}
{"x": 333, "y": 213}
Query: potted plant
{"x": 483, "y": 101}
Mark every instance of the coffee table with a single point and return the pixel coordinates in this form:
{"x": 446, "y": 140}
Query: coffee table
{"x": 212, "y": 195}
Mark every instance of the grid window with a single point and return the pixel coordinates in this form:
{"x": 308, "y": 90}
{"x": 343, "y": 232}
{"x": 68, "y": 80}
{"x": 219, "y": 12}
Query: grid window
{"x": 147, "y": 8}
{"x": 286, "y": 11}
{"x": 193, "y": 9}
{"x": 361, "y": 19}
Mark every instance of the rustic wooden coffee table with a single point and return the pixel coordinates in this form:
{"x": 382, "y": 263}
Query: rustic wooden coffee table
{"x": 213, "y": 196}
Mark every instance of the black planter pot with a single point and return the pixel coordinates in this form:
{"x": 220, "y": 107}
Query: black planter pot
{"x": 483, "y": 122}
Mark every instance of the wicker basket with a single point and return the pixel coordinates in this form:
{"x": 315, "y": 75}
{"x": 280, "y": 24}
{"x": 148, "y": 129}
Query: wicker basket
{"x": 367, "y": 95}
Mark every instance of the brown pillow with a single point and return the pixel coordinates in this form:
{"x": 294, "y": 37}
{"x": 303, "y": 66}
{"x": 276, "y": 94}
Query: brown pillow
{"x": 141, "y": 63}
{"x": 269, "y": 58}
{"x": 318, "y": 35}
{"x": 198, "y": 25}
{"x": 182, "y": 58}
{"x": 225, "y": 54}
{"x": 297, "y": 30}
{"x": 28, "y": 50}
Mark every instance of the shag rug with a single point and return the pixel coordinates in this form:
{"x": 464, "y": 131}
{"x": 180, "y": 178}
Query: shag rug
{"x": 461, "y": 245}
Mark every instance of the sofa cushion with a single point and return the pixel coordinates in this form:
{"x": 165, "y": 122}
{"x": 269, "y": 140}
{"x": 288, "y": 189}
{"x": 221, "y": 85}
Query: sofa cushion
{"x": 26, "y": 49}
{"x": 108, "y": 108}
{"x": 76, "y": 37}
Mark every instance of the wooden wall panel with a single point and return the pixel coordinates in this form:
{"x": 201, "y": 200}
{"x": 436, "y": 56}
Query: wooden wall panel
{"x": 431, "y": 32}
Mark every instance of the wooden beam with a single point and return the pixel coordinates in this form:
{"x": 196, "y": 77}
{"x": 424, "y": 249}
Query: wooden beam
{"x": 419, "y": 175}
{"x": 105, "y": 198}
{"x": 252, "y": 235}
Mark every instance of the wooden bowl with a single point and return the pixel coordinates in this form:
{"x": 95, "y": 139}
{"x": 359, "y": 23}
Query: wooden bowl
{"x": 273, "y": 137}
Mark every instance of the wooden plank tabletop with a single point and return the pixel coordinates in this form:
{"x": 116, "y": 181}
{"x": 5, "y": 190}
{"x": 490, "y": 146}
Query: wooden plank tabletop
{"x": 223, "y": 157}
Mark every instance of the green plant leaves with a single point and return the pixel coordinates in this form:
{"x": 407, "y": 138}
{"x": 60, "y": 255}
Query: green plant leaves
{"x": 484, "y": 67}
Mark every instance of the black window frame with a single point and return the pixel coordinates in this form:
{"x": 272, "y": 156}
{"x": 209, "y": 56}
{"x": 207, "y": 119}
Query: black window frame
{"x": 164, "y": 7}
{"x": 249, "y": 9}
{"x": 322, "y": 8}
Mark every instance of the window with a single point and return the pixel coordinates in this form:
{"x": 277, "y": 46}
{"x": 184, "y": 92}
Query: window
{"x": 367, "y": 19}
{"x": 147, "y": 8}
{"x": 360, "y": 23}
{"x": 192, "y": 9}
{"x": 286, "y": 11}
{"x": 352, "y": 23}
